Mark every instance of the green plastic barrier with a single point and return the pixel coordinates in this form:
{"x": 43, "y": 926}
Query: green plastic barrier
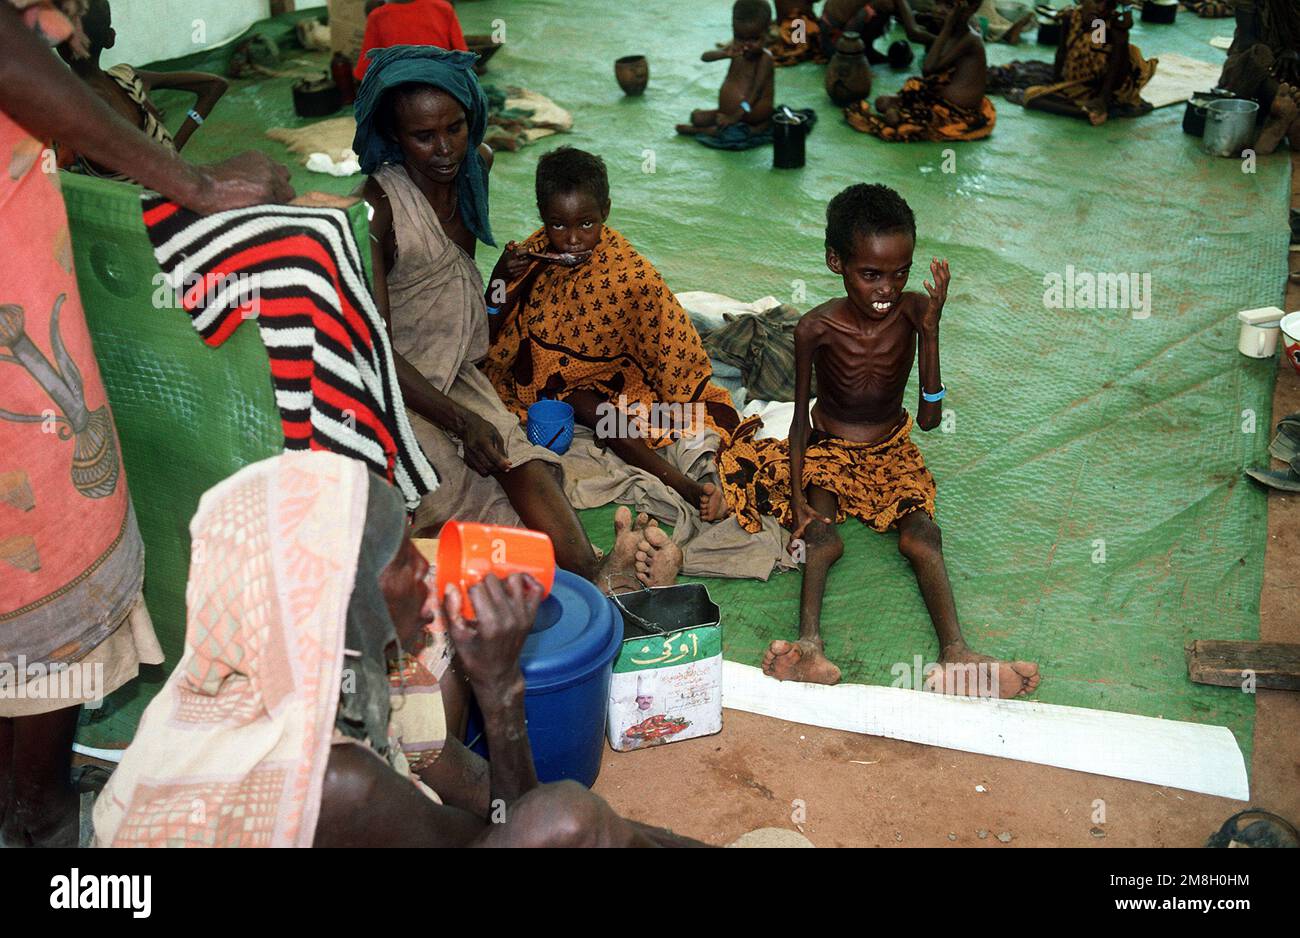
{"x": 188, "y": 415}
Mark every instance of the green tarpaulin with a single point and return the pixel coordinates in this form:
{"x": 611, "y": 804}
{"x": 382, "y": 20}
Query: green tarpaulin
{"x": 1094, "y": 511}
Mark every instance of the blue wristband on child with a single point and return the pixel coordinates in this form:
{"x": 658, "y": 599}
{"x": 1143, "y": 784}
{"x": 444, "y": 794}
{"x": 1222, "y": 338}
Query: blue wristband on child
{"x": 195, "y": 116}
{"x": 494, "y": 310}
{"x": 936, "y": 397}
{"x": 745, "y": 106}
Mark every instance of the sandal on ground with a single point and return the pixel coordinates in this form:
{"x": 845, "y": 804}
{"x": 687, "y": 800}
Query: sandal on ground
{"x": 1286, "y": 445}
{"x": 1255, "y": 828}
{"x": 1283, "y": 480}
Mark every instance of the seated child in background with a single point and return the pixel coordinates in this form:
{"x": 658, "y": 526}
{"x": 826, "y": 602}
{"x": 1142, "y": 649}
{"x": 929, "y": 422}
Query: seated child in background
{"x": 606, "y": 335}
{"x": 857, "y": 459}
{"x": 1094, "y": 79}
{"x": 796, "y": 37}
{"x": 126, "y": 91}
{"x": 870, "y": 20}
{"x": 947, "y": 101}
{"x": 409, "y": 23}
{"x": 745, "y": 100}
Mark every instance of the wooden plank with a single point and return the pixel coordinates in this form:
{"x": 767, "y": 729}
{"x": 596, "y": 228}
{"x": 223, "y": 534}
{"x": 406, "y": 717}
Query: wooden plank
{"x": 1274, "y": 665}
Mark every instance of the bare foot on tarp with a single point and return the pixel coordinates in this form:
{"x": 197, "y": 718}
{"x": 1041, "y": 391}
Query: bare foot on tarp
{"x": 618, "y": 571}
{"x": 1280, "y": 118}
{"x": 713, "y": 506}
{"x": 962, "y": 672}
{"x": 658, "y": 559}
{"x": 799, "y": 661}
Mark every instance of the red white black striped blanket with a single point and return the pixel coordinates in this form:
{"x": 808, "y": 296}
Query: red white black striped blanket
{"x": 297, "y": 270}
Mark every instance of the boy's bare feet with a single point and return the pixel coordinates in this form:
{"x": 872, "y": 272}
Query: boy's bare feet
{"x": 1281, "y": 116}
{"x": 988, "y": 677}
{"x": 658, "y": 559}
{"x": 713, "y": 507}
{"x": 799, "y": 661}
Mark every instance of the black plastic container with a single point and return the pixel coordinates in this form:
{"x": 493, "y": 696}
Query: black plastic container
{"x": 789, "y": 134}
{"x": 1194, "y": 114}
{"x": 316, "y": 97}
{"x": 1164, "y": 13}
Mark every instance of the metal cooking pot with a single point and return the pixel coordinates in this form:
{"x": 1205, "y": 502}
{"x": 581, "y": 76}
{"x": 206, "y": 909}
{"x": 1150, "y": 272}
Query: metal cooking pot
{"x": 1229, "y": 126}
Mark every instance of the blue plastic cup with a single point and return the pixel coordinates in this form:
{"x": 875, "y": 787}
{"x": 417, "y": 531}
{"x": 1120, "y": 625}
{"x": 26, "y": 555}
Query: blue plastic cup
{"x": 550, "y": 424}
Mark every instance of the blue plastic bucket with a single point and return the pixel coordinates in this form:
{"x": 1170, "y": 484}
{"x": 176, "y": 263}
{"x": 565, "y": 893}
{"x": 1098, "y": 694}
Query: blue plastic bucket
{"x": 550, "y": 424}
{"x": 567, "y": 661}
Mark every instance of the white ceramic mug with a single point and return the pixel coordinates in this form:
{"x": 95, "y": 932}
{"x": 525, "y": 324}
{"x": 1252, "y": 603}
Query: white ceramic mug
{"x": 1258, "y": 341}
{"x": 1291, "y": 338}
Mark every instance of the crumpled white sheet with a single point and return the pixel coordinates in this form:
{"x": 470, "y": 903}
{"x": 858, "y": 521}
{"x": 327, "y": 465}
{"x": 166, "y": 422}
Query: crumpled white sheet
{"x": 349, "y": 164}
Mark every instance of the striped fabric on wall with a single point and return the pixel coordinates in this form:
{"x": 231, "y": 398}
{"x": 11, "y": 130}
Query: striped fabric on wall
{"x": 297, "y": 270}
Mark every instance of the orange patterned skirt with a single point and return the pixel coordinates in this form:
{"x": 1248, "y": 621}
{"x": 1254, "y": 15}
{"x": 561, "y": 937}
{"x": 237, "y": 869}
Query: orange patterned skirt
{"x": 925, "y": 114}
{"x": 877, "y": 483}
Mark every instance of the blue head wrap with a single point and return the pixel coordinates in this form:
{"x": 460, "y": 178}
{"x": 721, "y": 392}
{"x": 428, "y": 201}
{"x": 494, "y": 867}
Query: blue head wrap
{"x": 449, "y": 71}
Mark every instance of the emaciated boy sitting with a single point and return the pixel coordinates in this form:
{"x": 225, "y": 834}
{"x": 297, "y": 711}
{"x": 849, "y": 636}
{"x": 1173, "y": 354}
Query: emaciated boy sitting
{"x": 856, "y": 459}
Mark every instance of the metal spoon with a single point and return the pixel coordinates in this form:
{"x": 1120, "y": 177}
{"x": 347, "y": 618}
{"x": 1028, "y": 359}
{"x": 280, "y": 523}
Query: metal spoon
{"x": 564, "y": 260}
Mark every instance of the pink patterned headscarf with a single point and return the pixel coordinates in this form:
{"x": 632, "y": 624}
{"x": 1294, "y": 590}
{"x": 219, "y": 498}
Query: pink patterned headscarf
{"x": 233, "y": 750}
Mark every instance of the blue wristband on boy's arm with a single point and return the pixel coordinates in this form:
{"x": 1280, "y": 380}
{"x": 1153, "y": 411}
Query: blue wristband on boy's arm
{"x": 195, "y": 116}
{"x": 937, "y": 396}
{"x": 746, "y": 107}
{"x": 494, "y": 310}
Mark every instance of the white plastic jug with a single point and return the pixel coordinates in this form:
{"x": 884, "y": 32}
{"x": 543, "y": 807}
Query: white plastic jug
{"x": 1259, "y": 331}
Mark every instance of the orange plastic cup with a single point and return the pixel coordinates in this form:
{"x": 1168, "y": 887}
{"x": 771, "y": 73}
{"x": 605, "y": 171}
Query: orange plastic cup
{"x": 468, "y": 552}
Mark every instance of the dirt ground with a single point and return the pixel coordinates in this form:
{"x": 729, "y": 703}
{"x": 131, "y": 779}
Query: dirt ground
{"x": 861, "y": 791}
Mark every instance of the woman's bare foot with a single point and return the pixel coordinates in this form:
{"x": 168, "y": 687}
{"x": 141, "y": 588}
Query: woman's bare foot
{"x": 658, "y": 559}
{"x": 799, "y": 661}
{"x": 966, "y": 673}
{"x": 713, "y": 506}
{"x": 1281, "y": 116}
